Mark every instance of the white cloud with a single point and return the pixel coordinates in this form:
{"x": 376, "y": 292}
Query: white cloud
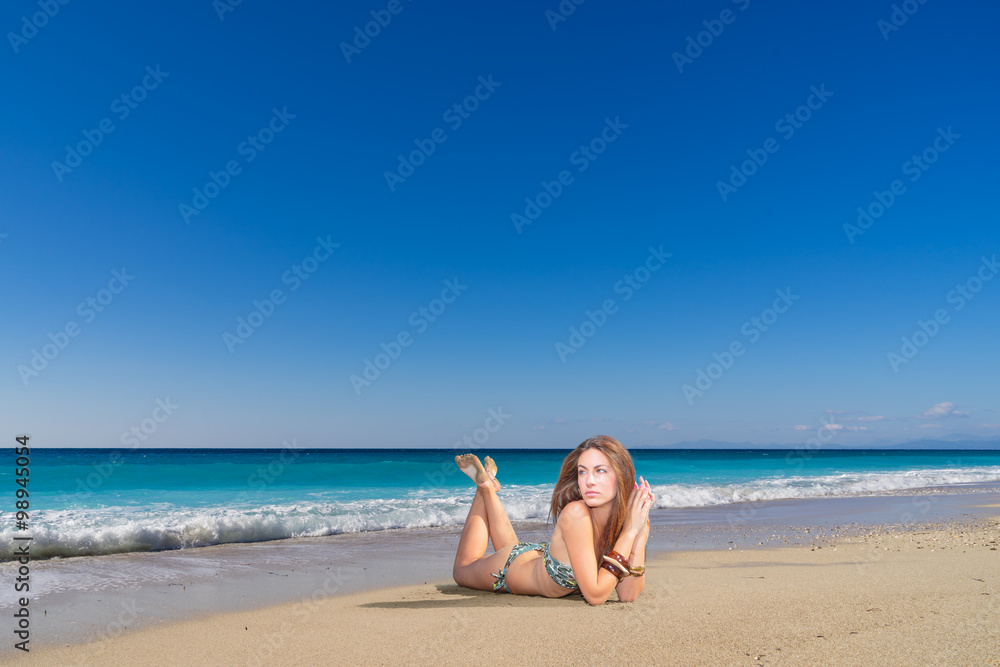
{"x": 841, "y": 427}
{"x": 942, "y": 411}
{"x": 800, "y": 427}
{"x": 849, "y": 416}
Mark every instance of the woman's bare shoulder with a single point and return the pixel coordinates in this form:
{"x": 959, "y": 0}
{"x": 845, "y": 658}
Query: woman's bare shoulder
{"x": 574, "y": 511}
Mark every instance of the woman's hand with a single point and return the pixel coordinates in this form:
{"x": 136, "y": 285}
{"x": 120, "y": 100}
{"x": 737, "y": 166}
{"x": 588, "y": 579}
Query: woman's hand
{"x": 639, "y": 504}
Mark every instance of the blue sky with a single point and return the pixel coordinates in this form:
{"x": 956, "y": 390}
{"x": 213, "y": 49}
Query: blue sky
{"x": 261, "y": 154}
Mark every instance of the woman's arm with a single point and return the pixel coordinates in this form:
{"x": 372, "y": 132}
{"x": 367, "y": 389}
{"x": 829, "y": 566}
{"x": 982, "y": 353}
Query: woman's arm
{"x": 595, "y": 583}
{"x": 630, "y": 587}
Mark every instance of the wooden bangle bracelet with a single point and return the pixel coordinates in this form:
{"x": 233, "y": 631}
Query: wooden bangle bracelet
{"x": 613, "y": 570}
{"x": 608, "y": 560}
{"x": 618, "y": 558}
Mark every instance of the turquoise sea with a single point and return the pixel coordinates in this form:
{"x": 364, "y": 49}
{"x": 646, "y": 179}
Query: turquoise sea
{"x": 99, "y": 501}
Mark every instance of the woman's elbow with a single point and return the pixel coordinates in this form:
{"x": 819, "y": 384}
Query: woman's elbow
{"x": 631, "y": 594}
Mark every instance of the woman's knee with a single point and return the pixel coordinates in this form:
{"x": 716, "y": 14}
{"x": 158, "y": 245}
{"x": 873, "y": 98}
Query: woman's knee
{"x": 471, "y": 576}
{"x": 460, "y": 573}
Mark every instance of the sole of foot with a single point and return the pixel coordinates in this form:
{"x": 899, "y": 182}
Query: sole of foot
{"x": 491, "y": 468}
{"x": 473, "y": 467}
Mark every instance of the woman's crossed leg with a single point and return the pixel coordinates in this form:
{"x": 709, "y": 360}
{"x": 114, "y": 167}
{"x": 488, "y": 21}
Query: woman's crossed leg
{"x": 487, "y": 521}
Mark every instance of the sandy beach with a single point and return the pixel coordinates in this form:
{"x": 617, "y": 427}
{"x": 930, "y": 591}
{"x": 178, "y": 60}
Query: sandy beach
{"x": 927, "y": 594}
{"x": 311, "y": 307}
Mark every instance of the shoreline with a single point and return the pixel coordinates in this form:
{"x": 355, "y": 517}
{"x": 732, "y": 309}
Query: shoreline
{"x": 80, "y": 596}
{"x": 916, "y": 595}
{"x": 97, "y": 596}
{"x": 223, "y": 499}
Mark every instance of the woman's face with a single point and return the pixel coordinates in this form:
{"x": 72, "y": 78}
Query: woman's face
{"x": 597, "y": 479}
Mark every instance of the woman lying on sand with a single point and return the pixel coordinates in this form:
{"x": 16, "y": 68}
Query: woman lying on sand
{"x": 595, "y": 527}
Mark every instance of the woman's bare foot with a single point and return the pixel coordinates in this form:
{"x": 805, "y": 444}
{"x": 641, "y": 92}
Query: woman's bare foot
{"x": 473, "y": 467}
{"x": 491, "y": 469}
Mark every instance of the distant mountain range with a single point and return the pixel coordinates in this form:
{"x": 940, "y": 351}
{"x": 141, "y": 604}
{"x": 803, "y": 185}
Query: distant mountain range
{"x": 960, "y": 441}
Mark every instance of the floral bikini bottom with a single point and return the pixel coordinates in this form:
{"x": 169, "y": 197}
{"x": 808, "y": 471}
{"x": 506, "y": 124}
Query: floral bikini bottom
{"x": 560, "y": 573}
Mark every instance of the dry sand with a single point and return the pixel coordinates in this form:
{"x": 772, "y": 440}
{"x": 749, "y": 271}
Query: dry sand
{"x": 890, "y": 597}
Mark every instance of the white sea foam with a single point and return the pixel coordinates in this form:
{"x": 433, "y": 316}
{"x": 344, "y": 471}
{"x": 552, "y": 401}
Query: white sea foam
{"x": 81, "y": 532}
{"x": 846, "y": 484}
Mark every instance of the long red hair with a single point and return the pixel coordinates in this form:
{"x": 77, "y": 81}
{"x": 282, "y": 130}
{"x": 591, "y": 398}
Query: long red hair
{"x": 568, "y": 487}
